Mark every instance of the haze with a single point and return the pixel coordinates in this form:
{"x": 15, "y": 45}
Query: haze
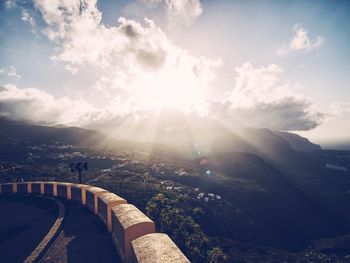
{"x": 116, "y": 66}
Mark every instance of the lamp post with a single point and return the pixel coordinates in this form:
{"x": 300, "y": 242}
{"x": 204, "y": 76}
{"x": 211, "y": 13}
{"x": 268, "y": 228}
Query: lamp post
{"x": 79, "y": 167}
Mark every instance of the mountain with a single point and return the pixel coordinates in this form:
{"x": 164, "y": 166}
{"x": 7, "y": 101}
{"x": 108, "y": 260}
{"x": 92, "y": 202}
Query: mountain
{"x": 188, "y": 138}
{"x": 272, "y": 194}
{"x": 21, "y": 132}
{"x": 191, "y": 135}
{"x": 298, "y": 142}
{"x": 14, "y": 131}
{"x": 279, "y": 213}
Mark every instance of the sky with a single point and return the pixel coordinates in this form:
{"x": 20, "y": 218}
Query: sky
{"x": 282, "y": 65}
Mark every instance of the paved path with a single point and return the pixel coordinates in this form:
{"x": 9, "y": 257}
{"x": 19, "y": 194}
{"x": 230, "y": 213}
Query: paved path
{"x": 83, "y": 238}
{"x": 24, "y": 222}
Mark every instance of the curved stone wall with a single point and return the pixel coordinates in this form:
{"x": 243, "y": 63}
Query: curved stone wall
{"x": 133, "y": 233}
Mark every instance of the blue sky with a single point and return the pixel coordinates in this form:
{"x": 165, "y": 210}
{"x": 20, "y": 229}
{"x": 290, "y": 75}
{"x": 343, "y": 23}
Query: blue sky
{"x": 280, "y": 64}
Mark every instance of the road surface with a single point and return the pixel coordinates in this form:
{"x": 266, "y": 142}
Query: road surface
{"x": 83, "y": 238}
{"x": 24, "y": 222}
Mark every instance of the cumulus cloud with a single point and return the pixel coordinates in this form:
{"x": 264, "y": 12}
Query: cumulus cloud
{"x": 132, "y": 59}
{"x": 288, "y": 114}
{"x": 137, "y": 68}
{"x": 173, "y": 13}
{"x": 262, "y": 99}
{"x": 134, "y": 65}
{"x": 300, "y": 41}
{"x": 179, "y": 11}
{"x": 10, "y": 72}
{"x": 76, "y": 26}
{"x": 35, "y": 105}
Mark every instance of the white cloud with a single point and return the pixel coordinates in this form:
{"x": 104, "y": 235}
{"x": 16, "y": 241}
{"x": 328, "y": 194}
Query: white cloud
{"x": 71, "y": 69}
{"x": 35, "y": 105}
{"x": 300, "y": 41}
{"x": 182, "y": 10}
{"x": 10, "y": 72}
{"x": 63, "y": 17}
{"x": 289, "y": 114}
{"x": 136, "y": 69}
{"x": 135, "y": 66}
{"x": 262, "y": 99}
{"x": 28, "y": 18}
{"x": 10, "y": 4}
{"x": 26, "y": 14}
{"x": 261, "y": 84}
{"x": 173, "y": 13}
{"x": 133, "y": 60}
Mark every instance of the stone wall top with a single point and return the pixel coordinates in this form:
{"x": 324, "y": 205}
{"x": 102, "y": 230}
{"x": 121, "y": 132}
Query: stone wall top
{"x": 95, "y": 189}
{"x": 81, "y": 186}
{"x": 128, "y": 215}
{"x": 64, "y": 183}
{"x": 110, "y": 197}
{"x": 157, "y": 248}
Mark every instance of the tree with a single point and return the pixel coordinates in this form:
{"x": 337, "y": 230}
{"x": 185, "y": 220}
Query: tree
{"x": 216, "y": 255}
{"x": 174, "y": 217}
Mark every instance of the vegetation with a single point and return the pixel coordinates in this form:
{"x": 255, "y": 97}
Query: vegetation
{"x": 276, "y": 206}
{"x": 174, "y": 217}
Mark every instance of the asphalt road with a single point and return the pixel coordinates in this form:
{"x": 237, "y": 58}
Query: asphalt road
{"x": 24, "y": 222}
{"x": 82, "y": 239}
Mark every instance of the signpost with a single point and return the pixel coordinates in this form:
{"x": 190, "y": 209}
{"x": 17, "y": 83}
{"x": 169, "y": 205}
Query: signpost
{"x": 79, "y": 167}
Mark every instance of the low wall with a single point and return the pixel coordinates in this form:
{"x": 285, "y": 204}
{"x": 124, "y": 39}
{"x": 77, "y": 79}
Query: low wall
{"x": 129, "y": 223}
{"x": 91, "y": 197}
{"x": 133, "y": 233}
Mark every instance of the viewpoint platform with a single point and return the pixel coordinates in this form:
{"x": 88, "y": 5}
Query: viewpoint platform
{"x": 24, "y": 222}
{"x": 64, "y": 222}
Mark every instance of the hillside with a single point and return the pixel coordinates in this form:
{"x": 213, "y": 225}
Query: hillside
{"x": 298, "y": 142}
{"x": 14, "y": 131}
{"x": 273, "y": 198}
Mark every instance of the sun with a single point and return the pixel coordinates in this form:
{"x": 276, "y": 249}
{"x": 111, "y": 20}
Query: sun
{"x": 172, "y": 89}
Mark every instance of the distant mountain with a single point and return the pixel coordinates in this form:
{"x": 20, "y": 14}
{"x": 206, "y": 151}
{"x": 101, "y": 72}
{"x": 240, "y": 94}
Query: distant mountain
{"x": 191, "y": 135}
{"x": 14, "y": 131}
{"x": 298, "y": 142}
{"x": 189, "y": 138}
{"x": 338, "y": 145}
{"x": 20, "y": 132}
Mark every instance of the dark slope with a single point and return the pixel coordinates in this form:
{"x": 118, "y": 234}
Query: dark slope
{"x": 282, "y": 215}
{"x": 272, "y": 148}
{"x": 12, "y": 131}
{"x": 298, "y": 142}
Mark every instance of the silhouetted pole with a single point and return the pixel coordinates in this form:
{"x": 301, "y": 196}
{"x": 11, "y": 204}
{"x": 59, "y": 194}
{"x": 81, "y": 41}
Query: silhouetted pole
{"x": 80, "y": 179}
{"x": 79, "y": 167}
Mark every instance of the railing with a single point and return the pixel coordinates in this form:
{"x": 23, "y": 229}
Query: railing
{"x": 133, "y": 233}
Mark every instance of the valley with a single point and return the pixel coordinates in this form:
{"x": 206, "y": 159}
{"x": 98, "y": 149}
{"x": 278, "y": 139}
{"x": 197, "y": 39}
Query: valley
{"x": 252, "y": 204}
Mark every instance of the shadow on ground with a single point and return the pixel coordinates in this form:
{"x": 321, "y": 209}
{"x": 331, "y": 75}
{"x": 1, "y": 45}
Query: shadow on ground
{"x": 24, "y": 222}
{"x": 83, "y": 238}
